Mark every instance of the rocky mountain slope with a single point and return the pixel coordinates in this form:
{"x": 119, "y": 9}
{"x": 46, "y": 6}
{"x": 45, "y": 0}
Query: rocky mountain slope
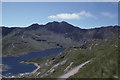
{"x": 51, "y": 35}
{"x": 102, "y": 53}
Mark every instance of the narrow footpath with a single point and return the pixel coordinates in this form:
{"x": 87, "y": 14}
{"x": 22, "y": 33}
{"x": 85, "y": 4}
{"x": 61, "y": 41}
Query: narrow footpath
{"x": 73, "y": 71}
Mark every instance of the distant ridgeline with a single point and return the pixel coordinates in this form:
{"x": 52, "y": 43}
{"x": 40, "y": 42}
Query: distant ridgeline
{"x": 51, "y": 35}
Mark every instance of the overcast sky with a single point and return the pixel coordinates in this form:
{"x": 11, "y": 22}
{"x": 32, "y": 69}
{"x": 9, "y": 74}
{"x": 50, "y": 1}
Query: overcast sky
{"x": 81, "y": 14}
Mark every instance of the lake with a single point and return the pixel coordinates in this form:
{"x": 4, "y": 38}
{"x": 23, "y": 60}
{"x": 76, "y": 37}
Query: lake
{"x": 14, "y": 67}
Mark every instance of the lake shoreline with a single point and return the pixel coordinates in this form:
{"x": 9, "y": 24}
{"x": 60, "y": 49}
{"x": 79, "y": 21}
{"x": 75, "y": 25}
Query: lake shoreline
{"x": 25, "y": 53}
{"x": 35, "y": 64}
{"x": 26, "y": 73}
{"x": 33, "y": 69}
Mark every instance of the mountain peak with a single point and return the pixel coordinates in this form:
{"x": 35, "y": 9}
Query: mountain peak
{"x": 56, "y": 22}
{"x": 35, "y": 24}
{"x": 64, "y": 22}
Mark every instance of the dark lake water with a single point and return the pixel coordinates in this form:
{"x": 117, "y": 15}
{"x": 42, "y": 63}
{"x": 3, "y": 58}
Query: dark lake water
{"x": 14, "y": 67}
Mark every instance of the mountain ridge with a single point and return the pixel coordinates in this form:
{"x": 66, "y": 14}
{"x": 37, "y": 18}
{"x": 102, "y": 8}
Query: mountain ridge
{"x": 51, "y": 35}
{"x": 54, "y": 22}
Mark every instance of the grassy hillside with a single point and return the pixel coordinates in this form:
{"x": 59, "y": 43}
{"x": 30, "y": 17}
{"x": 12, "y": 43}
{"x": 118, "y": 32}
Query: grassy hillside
{"x": 105, "y": 64}
{"x": 104, "y": 55}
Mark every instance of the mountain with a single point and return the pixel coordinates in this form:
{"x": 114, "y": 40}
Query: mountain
{"x": 51, "y": 35}
{"x": 102, "y": 54}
